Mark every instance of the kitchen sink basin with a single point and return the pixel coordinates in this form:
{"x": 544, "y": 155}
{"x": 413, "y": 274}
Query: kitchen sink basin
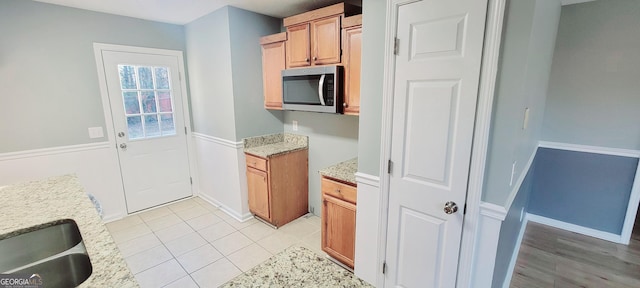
{"x": 33, "y": 246}
{"x": 56, "y": 253}
{"x": 66, "y": 271}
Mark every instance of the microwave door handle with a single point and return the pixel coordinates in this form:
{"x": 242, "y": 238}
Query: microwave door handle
{"x": 321, "y": 90}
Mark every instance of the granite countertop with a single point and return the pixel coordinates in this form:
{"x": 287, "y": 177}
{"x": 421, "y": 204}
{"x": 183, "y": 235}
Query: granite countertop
{"x": 33, "y": 205}
{"x": 275, "y": 144}
{"x": 343, "y": 171}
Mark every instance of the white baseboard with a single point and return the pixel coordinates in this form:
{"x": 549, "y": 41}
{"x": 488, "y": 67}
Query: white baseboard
{"x": 225, "y": 209}
{"x": 575, "y": 228}
{"x": 367, "y": 254}
{"x": 516, "y": 250}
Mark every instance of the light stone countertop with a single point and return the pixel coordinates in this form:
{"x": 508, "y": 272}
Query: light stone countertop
{"x": 343, "y": 171}
{"x": 275, "y": 144}
{"x": 32, "y": 205}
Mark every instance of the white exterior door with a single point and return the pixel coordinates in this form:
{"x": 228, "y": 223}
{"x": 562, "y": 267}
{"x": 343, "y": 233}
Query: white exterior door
{"x": 146, "y": 108}
{"x": 435, "y": 91}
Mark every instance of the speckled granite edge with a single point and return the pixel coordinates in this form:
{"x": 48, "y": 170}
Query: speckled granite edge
{"x": 343, "y": 171}
{"x": 262, "y": 140}
{"x": 41, "y": 203}
{"x": 297, "y": 267}
{"x": 271, "y": 145}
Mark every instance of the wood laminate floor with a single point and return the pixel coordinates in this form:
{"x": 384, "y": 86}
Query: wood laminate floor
{"x": 551, "y": 257}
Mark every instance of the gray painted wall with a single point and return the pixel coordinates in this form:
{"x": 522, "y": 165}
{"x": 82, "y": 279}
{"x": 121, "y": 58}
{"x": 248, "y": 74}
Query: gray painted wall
{"x": 371, "y": 82}
{"x": 246, "y": 28}
{"x": 333, "y": 138}
{"x": 209, "y": 63}
{"x": 586, "y": 189}
{"x": 48, "y": 75}
{"x": 528, "y": 43}
{"x": 510, "y": 229}
{"x": 225, "y": 64}
{"x": 593, "y": 93}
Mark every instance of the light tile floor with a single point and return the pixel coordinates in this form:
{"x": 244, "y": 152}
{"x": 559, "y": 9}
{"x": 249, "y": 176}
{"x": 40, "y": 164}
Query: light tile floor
{"x": 193, "y": 244}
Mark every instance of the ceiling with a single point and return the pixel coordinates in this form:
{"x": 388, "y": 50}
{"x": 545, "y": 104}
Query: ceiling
{"x": 185, "y": 11}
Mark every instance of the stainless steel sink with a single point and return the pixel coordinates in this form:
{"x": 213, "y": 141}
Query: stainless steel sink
{"x": 66, "y": 271}
{"x": 36, "y": 245}
{"x": 55, "y": 252}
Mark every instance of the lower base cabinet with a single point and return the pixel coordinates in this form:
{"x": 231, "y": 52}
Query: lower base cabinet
{"x": 278, "y": 188}
{"x": 339, "y": 220}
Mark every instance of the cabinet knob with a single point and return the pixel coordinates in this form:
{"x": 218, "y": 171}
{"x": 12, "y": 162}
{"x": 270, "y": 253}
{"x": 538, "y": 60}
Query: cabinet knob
{"x": 345, "y": 105}
{"x": 337, "y": 190}
{"x": 306, "y": 59}
{"x": 315, "y": 58}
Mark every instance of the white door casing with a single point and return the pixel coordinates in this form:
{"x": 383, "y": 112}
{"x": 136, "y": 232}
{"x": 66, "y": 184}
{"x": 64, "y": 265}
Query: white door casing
{"x": 154, "y": 159}
{"x": 436, "y": 78}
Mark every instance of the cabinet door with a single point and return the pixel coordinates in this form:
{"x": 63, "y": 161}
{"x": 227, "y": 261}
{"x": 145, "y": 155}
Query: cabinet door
{"x": 273, "y": 62}
{"x": 339, "y": 229}
{"x": 298, "y": 45}
{"x": 258, "y": 186}
{"x": 326, "y": 41}
{"x": 353, "y": 48}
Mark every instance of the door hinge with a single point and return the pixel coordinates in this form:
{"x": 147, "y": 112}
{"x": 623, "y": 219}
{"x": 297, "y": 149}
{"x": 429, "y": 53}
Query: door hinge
{"x": 464, "y": 210}
{"x": 185, "y": 130}
{"x": 389, "y": 166}
{"x": 384, "y": 267}
{"x": 180, "y": 76}
{"x": 191, "y": 180}
{"x": 396, "y": 46}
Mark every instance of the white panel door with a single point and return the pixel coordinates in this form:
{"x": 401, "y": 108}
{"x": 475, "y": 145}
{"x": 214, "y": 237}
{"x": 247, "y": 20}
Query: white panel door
{"x": 436, "y": 85}
{"x": 146, "y": 105}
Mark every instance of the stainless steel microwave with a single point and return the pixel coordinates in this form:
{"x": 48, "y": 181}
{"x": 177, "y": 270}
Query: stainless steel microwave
{"x": 315, "y": 89}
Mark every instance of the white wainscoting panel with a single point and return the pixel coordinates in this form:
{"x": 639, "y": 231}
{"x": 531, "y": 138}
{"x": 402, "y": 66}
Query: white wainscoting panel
{"x": 368, "y": 259}
{"x": 491, "y": 217}
{"x": 96, "y": 166}
{"x": 516, "y": 250}
{"x": 222, "y": 178}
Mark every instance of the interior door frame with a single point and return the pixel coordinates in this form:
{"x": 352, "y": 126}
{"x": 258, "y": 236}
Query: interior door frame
{"x": 98, "y": 48}
{"x": 488, "y": 75}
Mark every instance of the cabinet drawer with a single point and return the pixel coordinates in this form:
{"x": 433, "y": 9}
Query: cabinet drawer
{"x": 256, "y": 162}
{"x": 339, "y": 190}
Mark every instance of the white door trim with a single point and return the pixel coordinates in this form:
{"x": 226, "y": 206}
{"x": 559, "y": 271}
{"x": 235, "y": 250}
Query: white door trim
{"x": 98, "y": 48}
{"x": 488, "y": 76}
{"x": 491, "y": 51}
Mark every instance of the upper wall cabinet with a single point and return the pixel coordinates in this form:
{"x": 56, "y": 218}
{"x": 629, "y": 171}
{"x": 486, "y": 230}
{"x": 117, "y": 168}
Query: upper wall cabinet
{"x": 273, "y": 62}
{"x": 314, "y": 36}
{"x": 352, "y": 45}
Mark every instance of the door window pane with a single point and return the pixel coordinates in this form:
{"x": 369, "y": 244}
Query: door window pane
{"x": 162, "y": 78}
{"x": 131, "y": 104}
{"x": 127, "y": 76}
{"x": 167, "y": 125}
{"x": 148, "y": 101}
{"x": 164, "y": 99}
{"x": 146, "y": 77}
{"x": 134, "y": 127}
{"x": 151, "y": 126}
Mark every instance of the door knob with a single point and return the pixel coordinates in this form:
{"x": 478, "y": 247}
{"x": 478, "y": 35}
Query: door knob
{"x": 123, "y": 145}
{"x": 450, "y": 207}
{"x": 121, "y": 134}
